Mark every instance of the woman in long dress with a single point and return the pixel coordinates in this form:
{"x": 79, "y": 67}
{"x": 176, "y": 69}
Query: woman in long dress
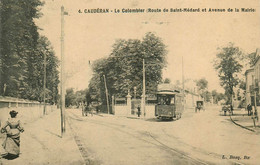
{"x": 12, "y": 128}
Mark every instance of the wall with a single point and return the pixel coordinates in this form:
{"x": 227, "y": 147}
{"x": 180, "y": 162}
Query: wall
{"x": 27, "y": 112}
{"x": 121, "y": 110}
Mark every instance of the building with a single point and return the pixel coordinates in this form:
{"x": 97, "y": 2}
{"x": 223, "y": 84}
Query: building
{"x": 253, "y": 81}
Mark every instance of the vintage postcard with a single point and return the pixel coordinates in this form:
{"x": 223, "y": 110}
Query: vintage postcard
{"x": 132, "y": 82}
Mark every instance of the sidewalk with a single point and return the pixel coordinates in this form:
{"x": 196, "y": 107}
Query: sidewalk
{"x": 242, "y": 119}
{"x": 41, "y": 143}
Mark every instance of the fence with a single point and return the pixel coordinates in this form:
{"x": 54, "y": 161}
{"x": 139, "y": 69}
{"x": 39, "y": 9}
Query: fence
{"x": 128, "y": 106}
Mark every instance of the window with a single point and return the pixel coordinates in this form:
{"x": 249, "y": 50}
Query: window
{"x": 165, "y": 99}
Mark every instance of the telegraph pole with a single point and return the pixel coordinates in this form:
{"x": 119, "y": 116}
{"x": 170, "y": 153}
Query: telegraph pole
{"x": 106, "y": 94}
{"x": 183, "y": 92}
{"x": 143, "y": 87}
{"x": 44, "y": 86}
{"x": 255, "y": 113}
{"x": 62, "y": 74}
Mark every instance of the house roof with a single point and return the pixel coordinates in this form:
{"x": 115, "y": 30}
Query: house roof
{"x": 249, "y": 70}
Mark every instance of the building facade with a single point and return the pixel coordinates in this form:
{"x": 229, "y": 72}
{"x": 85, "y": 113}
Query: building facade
{"x": 253, "y": 81}
{"x": 249, "y": 75}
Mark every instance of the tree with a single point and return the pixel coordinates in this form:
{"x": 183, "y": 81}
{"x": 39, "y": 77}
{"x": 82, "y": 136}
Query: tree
{"x": 123, "y": 68}
{"x": 221, "y": 96}
{"x": 202, "y": 85}
{"x": 208, "y": 96}
{"x": 22, "y": 52}
{"x": 167, "y": 81}
{"x": 214, "y": 94}
{"x": 228, "y": 66}
{"x": 36, "y": 73}
{"x": 70, "y": 98}
{"x": 19, "y": 36}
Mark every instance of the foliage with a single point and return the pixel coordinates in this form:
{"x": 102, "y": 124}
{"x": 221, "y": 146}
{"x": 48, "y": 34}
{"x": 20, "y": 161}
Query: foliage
{"x": 167, "y": 81}
{"x": 202, "y": 84}
{"x": 228, "y": 66}
{"x": 77, "y": 98}
{"x": 208, "y": 96}
{"x": 221, "y": 96}
{"x": 217, "y": 96}
{"x": 242, "y": 84}
{"x": 22, "y": 51}
{"x": 70, "y": 98}
{"x": 123, "y": 68}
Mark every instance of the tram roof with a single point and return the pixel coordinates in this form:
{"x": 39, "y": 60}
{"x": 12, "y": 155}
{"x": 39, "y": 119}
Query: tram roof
{"x": 168, "y": 89}
{"x": 167, "y": 93}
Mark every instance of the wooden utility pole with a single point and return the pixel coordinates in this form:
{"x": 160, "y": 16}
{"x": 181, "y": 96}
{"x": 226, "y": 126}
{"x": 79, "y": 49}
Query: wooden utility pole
{"x": 255, "y": 113}
{"x": 143, "y": 87}
{"x": 44, "y": 85}
{"x": 106, "y": 94}
{"x": 183, "y": 90}
{"x": 62, "y": 74}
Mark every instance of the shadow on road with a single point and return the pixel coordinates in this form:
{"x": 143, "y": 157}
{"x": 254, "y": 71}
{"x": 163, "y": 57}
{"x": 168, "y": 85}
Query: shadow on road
{"x": 158, "y": 120}
{"x": 10, "y": 156}
{"x": 233, "y": 115}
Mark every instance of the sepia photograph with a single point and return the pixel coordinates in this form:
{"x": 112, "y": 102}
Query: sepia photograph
{"x": 132, "y": 82}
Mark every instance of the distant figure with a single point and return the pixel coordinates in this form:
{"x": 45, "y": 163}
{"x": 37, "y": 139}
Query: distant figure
{"x": 96, "y": 109}
{"x": 84, "y": 110}
{"x": 12, "y": 128}
{"x": 138, "y": 111}
{"x": 199, "y": 106}
{"x": 249, "y": 109}
{"x": 231, "y": 109}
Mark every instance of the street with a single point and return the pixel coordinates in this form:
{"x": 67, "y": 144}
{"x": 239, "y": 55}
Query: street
{"x": 196, "y": 138}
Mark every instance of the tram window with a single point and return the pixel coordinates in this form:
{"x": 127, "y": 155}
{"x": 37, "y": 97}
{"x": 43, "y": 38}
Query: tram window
{"x": 160, "y": 100}
{"x": 172, "y": 100}
{"x": 166, "y": 100}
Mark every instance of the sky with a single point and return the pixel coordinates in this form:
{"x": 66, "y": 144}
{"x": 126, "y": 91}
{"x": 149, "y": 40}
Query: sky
{"x": 193, "y": 36}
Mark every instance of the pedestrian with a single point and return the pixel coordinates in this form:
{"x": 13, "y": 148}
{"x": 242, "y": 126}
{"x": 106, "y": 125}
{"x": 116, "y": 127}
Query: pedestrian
{"x": 138, "y": 111}
{"x": 86, "y": 108}
{"x": 12, "y": 128}
{"x": 96, "y": 109}
{"x": 249, "y": 109}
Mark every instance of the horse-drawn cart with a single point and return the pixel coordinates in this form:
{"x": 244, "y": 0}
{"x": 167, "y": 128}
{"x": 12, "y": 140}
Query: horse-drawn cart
{"x": 199, "y": 106}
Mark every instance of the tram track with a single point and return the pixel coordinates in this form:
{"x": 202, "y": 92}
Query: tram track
{"x": 86, "y": 156}
{"x": 149, "y": 138}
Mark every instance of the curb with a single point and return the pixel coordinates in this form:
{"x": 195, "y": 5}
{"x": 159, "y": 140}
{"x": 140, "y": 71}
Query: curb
{"x": 241, "y": 125}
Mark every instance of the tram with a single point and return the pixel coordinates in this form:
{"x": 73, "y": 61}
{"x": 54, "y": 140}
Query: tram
{"x": 169, "y": 102}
